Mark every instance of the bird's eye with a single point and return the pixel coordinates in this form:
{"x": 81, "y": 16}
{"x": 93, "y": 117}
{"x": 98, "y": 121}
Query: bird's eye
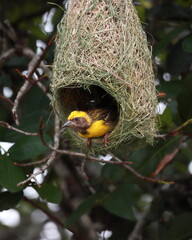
{"x": 76, "y": 119}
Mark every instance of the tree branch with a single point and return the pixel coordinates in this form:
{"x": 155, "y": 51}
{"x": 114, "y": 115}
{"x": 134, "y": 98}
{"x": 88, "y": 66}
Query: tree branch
{"x": 51, "y": 156}
{"x": 31, "y": 163}
{"x": 6, "y": 99}
{"x": 6, "y": 56}
{"x": 134, "y": 172}
{"x": 35, "y": 62}
{"x": 51, "y": 216}
{"x": 6, "y": 125}
{"x": 176, "y": 131}
{"x": 136, "y": 234}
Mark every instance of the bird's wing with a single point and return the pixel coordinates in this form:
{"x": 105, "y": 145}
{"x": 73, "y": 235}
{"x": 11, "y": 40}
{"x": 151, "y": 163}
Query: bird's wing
{"x": 102, "y": 114}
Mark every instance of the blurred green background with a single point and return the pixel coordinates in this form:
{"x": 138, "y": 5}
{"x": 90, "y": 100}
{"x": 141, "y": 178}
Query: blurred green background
{"x": 123, "y": 206}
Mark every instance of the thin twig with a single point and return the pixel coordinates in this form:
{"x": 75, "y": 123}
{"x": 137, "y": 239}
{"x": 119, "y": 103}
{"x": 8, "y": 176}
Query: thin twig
{"x": 30, "y": 80}
{"x": 40, "y": 171}
{"x": 31, "y": 163}
{"x": 37, "y": 81}
{"x": 41, "y": 57}
{"x": 7, "y": 55}
{"x": 51, "y": 158}
{"x": 9, "y": 31}
{"x": 90, "y": 158}
{"x": 6, "y": 99}
{"x": 52, "y": 217}
{"x": 136, "y": 234}
{"x": 6, "y": 125}
{"x": 29, "y": 53}
{"x": 134, "y": 172}
{"x": 20, "y": 94}
{"x": 176, "y": 131}
{"x": 82, "y": 155}
{"x": 82, "y": 173}
{"x": 35, "y": 62}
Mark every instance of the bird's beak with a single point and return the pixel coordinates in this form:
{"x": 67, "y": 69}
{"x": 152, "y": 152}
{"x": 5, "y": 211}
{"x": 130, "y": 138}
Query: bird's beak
{"x": 68, "y": 124}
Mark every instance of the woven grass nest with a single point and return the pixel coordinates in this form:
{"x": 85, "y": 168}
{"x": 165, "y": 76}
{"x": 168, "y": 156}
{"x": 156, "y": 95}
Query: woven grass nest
{"x": 102, "y": 60}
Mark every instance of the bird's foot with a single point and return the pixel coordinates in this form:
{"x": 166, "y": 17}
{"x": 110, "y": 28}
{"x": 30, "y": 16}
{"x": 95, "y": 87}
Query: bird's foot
{"x": 105, "y": 139}
{"x": 88, "y": 143}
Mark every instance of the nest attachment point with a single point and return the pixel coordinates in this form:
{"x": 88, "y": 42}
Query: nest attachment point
{"x": 102, "y": 59}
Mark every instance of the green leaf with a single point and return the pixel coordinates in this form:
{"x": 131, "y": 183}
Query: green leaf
{"x": 188, "y": 150}
{"x": 161, "y": 45}
{"x": 177, "y": 59}
{"x": 187, "y": 44}
{"x": 122, "y": 201}
{"x": 83, "y": 208}
{"x": 166, "y": 120}
{"x": 170, "y": 10}
{"x": 49, "y": 192}
{"x": 57, "y": 17}
{"x": 147, "y": 163}
{"x": 3, "y": 115}
{"x": 10, "y": 175}
{"x": 112, "y": 172}
{"x": 184, "y": 3}
{"x": 27, "y": 147}
{"x": 180, "y": 227}
{"x": 171, "y": 88}
{"x": 9, "y": 200}
{"x": 185, "y": 99}
{"x": 35, "y": 100}
{"x": 38, "y": 33}
{"x": 5, "y": 80}
{"x": 17, "y": 62}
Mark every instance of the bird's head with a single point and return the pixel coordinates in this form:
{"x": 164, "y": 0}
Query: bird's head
{"x": 78, "y": 120}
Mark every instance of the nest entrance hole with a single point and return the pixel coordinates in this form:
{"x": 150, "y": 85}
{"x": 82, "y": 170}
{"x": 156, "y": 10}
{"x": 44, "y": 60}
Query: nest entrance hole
{"x": 82, "y": 99}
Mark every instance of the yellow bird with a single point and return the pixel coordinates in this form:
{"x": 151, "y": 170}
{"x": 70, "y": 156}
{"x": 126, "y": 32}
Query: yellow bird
{"x": 92, "y": 124}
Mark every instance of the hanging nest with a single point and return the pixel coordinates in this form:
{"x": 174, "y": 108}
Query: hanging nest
{"x": 102, "y": 60}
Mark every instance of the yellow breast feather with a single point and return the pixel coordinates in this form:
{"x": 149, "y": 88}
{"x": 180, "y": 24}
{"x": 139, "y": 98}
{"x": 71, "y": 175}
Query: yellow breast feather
{"x": 97, "y": 129}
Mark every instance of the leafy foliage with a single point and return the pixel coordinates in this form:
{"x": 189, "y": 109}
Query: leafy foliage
{"x": 50, "y": 193}
{"x": 10, "y": 175}
{"x": 9, "y": 200}
{"x": 100, "y": 197}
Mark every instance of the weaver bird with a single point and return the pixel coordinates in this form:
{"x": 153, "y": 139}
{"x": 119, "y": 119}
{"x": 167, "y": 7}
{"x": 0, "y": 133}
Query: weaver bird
{"x": 94, "y": 123}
